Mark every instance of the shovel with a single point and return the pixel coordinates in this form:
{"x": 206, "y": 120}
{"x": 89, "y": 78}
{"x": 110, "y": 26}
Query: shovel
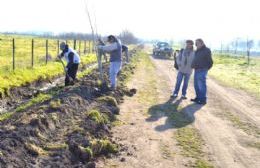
{"x": 66, "y": 73}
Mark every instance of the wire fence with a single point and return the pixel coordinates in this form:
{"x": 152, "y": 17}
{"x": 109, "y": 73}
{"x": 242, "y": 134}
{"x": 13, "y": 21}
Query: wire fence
{"x": 19, "y": 53}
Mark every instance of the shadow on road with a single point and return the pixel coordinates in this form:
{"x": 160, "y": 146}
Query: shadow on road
{"x": 176, "y": 116}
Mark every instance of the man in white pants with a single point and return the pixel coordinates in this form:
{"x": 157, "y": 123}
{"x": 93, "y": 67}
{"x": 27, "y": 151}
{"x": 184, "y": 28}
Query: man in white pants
{"x": 114, "y": 48}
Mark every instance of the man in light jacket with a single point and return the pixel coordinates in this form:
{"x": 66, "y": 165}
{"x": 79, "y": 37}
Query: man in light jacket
{"x": 114, "y": 48}
{"x": 184, "y": 61}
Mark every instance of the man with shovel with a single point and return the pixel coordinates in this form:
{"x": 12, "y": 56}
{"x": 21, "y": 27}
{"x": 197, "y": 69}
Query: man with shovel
{"x": 72, "y": 59}
{"x": 114, "y": 48}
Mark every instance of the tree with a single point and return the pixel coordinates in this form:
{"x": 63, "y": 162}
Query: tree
{"x": 128, "y": 37}
{"x": 249, "y": 46}
{"x": 234, "y": 45}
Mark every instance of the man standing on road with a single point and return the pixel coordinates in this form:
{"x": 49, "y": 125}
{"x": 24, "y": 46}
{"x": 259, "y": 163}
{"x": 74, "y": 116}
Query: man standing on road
{"x": 202, "y": 63}
{"x": 73, "y": 60}
{"x": 184, "y": 60}
{"x": 114, "y": 48}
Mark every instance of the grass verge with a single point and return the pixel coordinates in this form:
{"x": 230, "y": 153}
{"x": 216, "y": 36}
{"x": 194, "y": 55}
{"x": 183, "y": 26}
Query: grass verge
{"x": 235, "y": 72}
{"x": 19, "y": 77}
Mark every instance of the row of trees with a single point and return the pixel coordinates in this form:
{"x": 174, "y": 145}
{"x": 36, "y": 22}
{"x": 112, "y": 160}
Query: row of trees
{"x": 125, "y": 36}
{"x": 240, "y": 46}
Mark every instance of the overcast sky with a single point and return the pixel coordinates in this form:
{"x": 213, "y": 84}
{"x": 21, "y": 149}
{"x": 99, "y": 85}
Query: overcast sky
{"x": 213, "y": 20}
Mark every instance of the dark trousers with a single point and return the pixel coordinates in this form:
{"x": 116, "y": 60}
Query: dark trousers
{"x": 71, "y": 73}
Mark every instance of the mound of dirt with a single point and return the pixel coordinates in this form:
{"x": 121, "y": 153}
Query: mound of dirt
{"x": 71, "y": 129}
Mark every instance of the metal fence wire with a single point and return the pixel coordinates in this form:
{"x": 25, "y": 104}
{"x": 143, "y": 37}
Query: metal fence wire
{"x": 19, "y": 53}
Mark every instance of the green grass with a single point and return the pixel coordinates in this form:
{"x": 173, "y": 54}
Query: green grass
{"x": 36, "y": 100}
{"x": 98, "y": 117}
{"x": 5, "y": 116}
{"x": 23, "y": 45}
{"x": 255, "y": 145}
{"x": 20, "y": 77}
{"x": 234, "y": 72}
{"x": 148, "y": 93}
{"x": 202, "y": 164}
{"x": 111, "y": 101}
{"x": 102, "y": 146}
{"x": 54, "y": 104}
{"x": 39, "y": 99}
{"x": 51, "y": 147}
{"x": 191, "y": 143}
{"x": 238, "y": 122}
{"x": 24, "y": 73}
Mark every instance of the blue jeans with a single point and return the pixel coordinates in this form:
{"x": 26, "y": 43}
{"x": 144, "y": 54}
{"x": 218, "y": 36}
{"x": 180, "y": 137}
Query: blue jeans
{"x": 180, "y": 76}
{"x": 200, "y": 85}
{"x": 113, "y": 71}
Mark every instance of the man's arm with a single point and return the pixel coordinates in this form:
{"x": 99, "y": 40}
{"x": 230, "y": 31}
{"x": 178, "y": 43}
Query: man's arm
{"x": 210, "y": 60}
{"x": 109, "y": 48}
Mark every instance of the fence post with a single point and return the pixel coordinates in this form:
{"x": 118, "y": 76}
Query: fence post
{"x": 84, "y": 46}
{"x": 46, "y": 51}
{"x": 58, "y": 47}
{"x": 32, "y": 53}
{"x": 89, "y": 46}
{"x": 74, "y": 44}
{"x": 79, "y": 46}
{"x": 13, "y": 54}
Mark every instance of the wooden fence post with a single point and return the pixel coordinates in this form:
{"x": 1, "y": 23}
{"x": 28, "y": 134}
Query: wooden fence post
{"x": 46, "y": 51}
{"x": 74, "y": 44}
{"x": 32, "y": 53}
{"x": 79, "y": 46}
{"x": 84, "y": 46}
{"x": 58, "y": 47}
{"x": 13, "y": 54}
{"x": 89, "y": 46}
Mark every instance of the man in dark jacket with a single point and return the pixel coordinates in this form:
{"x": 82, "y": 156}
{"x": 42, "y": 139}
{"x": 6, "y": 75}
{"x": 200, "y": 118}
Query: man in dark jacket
{"x": 202, "y": 62}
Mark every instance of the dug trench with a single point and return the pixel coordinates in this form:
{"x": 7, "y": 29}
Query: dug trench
{"x": 16, "y": 96}
{"x": 66, "y": 127}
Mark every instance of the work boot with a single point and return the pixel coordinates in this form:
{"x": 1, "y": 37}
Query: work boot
{"x": 201, "y": 102}
{"x": 194, "y": 100}
{"x": 183, "y": 97}
{"x": 174, "y": 96}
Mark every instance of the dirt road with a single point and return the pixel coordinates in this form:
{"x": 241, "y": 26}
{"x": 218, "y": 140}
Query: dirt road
{"x": 164, "y": 133}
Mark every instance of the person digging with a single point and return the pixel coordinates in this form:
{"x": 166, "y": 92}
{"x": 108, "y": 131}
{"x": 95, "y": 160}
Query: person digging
{"x": 72, "y": 59}
{"x": 114, "y": 48}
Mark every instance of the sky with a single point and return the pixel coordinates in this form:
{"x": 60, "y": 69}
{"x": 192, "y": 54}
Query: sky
{"x": 212, "y": 20}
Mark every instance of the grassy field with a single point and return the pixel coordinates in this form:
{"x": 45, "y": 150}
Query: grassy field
{"x": 23, "y": 51}
{"x": 24, "y": 73}
{"x": 235, "y": 72}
